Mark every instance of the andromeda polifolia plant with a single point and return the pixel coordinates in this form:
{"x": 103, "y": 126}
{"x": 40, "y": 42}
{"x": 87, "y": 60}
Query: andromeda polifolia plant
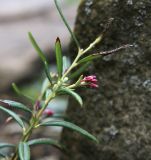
{"x": 64, "y": 82}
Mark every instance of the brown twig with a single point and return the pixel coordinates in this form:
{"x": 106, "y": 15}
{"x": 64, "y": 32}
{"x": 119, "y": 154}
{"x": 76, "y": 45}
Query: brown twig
{"x": 105, "y": 53}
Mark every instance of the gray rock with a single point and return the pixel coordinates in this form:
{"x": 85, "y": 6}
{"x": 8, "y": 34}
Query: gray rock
{"x": 119, "y": 113}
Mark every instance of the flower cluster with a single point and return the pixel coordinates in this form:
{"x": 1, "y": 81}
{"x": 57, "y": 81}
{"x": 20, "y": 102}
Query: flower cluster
{"x": 90, "y": 81}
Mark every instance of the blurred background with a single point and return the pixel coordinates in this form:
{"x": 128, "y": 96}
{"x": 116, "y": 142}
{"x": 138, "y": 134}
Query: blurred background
{"x": 17, "y": 18}
{"x": 20, "y": 64}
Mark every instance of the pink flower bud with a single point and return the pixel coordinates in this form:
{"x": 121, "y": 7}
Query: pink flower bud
{"x": 90, "y": 81}
{"x": 93, "y": 85}
{"x": 48, "y": 112}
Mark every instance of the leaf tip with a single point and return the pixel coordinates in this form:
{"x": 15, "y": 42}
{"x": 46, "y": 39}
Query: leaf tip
{"x": 13, "y": 84}
{"x": 81, "y": 104}
{"x": 97, "y": 141}
{"x": 29, "y": 34}
{"x": 15, "y": 88}
{"x": 58, "y": 40}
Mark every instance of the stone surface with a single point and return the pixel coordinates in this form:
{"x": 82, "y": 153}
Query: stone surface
{"x": 119, "y": 112}
{"x": 17, "y": 57}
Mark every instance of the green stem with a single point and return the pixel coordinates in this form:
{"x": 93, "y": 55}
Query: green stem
{"x": 80, "y": 53}
{"x": 65, "y": 22}
{"x": 52, "y": 96}
{"x": 96, "y": 41}
{"x": 34, "y": 121}
{"x": 74, "y": 64}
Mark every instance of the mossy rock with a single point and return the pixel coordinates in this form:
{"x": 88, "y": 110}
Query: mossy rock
{"x": 119, "y": 112}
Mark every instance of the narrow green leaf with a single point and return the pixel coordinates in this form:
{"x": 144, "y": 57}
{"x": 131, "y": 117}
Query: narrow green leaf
{"x": 70, "y": 126}
{"x": 24, "y": 151}
{"x": 14, "y": 115}
{"x": 16, "y": 105}
{"x": 4, "y": 145}
{"x": 73, "y": 94}
{"x": 41, "y": 55}
{"x": 46, "y": 141}
{"x": 79, "y": 71}
{"x": 37, "y": 48}
{"x": 67, "y": 25}
{"x": 16, "y": 89}
{"x": 59, "y": 58}
{"x": 88, "y": 58}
